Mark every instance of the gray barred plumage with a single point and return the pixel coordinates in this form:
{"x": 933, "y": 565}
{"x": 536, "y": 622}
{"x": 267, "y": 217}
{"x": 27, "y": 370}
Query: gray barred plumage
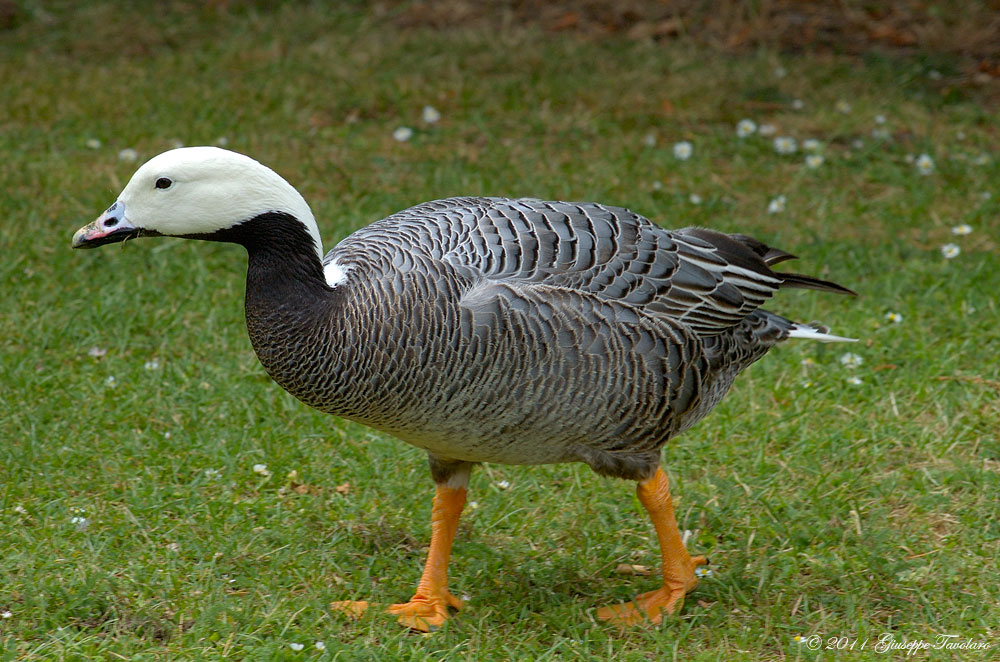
{"x": 521, "y": 331}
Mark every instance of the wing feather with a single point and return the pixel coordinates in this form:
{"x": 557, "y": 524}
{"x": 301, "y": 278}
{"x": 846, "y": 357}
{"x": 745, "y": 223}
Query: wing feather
{"x": 708, "y": 280}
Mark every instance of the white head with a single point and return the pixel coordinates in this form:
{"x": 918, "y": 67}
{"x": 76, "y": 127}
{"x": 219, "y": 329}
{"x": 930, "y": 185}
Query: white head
{"x": 196, "y": 191}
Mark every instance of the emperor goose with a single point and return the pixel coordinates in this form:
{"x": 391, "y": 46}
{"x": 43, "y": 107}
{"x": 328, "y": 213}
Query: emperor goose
{"x": 485, "y": 330}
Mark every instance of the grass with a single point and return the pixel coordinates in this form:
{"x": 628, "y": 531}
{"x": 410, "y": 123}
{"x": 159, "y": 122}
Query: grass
{"x": 827, "y": 508}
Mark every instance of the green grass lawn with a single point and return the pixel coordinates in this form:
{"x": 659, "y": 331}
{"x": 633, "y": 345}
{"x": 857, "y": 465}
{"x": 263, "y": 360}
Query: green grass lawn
{"x": 833, "y": 501}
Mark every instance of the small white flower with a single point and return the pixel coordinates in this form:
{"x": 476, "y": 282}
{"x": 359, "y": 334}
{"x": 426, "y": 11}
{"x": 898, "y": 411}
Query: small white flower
{"x": 851, "y": 360}
{"x": 128, "y": 155}
{"x": 812, "y": 145}
{"x": 320, "y": 646}
{"x": 814, "y": 160}
{"x": 503, "y": 484}
{"x": 986, "y": 195}
{"x": 261, "y": 469}
{"x": 925, "y": 164}
{"x": 166, "y": 435}
{"x": 473, "y": 504}
{"x": 880, "y": 119}
{"x": 694, "y": 199}
{"x": 152, "y": 364}
{"x": 93, "y": 143}
{"x": 649, "y": 140}
{"x": 702, "y": 571}
{"x": 212, "y": 474}
{"x": 893, "y": 318}
{"x": 780, "y": 71}
{"x": 808, "y": 361}
{"x": 431, "y": 115}
{"x": 858, "y": 143}
{"x": 80, "y": 523}
{"x": 6, "y": 614}
{"x": 776, "y": 205}
{"x": 97, "y": 352}
{"x": 767, "y": 130}
{"x": 745, "y": 128}
{"x": 402, "y": 134}
{"x": 960, "y": 135}
{"x": 19, "y": 509}
{"x": 111, "y": 382}
{"x": 981, "y": 160}
{"x": 807, "y": 384}
{"x": 683, "y": 150}
{"x": 222, "y": 141}
{"x": 962, "y": 230}
{"x": 657, "y": 186}
{"x": 950, "y": 251}
{"x": 880, "y": 133}
{"x": 910, "y": 158}
{"x": 854, "y": 381}
{"x": 843, "y": 107}
{"x": 785, "y": 145}
{"x": 173, "y": 547}
{"x": 296, "y": 646}
{"x": 798, "y": 104}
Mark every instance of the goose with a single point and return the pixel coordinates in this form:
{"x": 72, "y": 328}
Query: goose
{"x": 516, "y": 331}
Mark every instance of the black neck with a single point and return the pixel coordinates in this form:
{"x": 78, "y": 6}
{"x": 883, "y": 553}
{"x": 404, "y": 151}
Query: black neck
{"x": 283, "y": 260}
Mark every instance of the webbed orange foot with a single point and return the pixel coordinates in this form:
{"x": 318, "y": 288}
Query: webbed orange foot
{"x": 425, "y": 613}
{"x": 650, "y": 607}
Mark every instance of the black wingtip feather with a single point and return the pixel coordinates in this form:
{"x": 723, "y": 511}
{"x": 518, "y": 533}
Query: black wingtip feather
{"x": 770, "y": 255}
{"x": 775, "y": 255}
{"x": 810, "y": 283}
{"x": 747, "y": 252}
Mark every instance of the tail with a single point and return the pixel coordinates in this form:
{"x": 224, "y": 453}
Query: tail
{"x": 774, "y": 328}
{"x": 750, "y": 253}
{"x": 816, "y": 332}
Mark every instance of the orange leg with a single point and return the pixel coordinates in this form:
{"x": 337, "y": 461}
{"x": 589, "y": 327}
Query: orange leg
{"x": 678, "y": 567}
{"x": 428, "y": 608}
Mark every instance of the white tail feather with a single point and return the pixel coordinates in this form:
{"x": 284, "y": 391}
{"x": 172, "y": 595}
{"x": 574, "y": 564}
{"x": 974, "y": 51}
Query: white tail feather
{"x": 812, "y": 333}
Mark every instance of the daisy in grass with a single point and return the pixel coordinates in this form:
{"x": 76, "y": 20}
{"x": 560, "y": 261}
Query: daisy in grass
{"x": 683, "y": 150}
{"x": 431, "y": 115}
{"x": 814, "y": 161}
{"x": 851, "y": 360}
{"x": 950, "y": 251}
{"x": 925, "y": 164}
{"x": 746, "y": 128}
{"x": 785, "y": 145}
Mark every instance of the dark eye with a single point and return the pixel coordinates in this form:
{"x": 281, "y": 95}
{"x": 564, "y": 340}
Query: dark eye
{"x": 164, "y": 182}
